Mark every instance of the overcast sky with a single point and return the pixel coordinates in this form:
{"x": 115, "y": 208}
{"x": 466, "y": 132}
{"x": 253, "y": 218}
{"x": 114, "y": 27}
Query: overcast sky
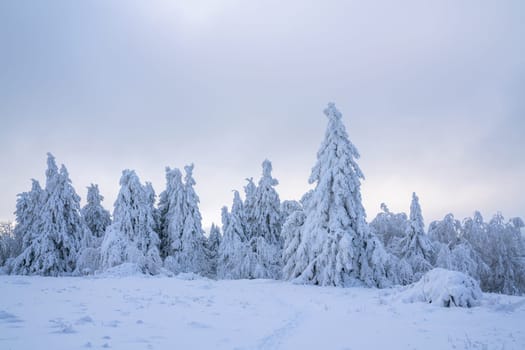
{"x": 432, "y": 94}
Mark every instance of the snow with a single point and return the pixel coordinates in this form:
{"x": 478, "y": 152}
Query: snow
{"x": 445, "y": 288}
{"x": 157, "y": 312}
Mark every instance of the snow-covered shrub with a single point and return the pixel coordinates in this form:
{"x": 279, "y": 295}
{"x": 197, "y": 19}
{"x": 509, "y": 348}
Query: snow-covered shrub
{"x": 444, "y": 288}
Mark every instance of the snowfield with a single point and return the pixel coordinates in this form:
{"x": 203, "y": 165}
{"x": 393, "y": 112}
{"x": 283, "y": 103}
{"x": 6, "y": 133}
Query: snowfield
{"x": 188, "y": 312}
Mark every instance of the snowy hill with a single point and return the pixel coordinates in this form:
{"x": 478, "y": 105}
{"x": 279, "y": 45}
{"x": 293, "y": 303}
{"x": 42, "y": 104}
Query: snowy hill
{"x": 188, "y": 312}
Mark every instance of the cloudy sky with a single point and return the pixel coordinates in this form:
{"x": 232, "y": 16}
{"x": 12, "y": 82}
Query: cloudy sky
{"x": 432, "y": 94}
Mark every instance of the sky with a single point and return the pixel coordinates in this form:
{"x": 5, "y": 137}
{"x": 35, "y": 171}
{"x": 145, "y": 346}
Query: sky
{"x": 432, "y": 94}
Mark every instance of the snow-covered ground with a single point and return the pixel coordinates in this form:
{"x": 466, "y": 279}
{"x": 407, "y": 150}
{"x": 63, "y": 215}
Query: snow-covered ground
{"x": 141, "y": 312}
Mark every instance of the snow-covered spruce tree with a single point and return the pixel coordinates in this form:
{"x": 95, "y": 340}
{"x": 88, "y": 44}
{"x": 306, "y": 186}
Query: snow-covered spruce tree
{"x": 131, "y": 237}
{"x": 336, "y": 246}
{"x": 97, "y": 218}
{"x": 152, "y": 198}
{"x": 190, "y": 255}
{"x": 265, "y": 242}
{"x": 291, "y": 234}
{"x": 234, "y": 258}
{"x": 28, "y": 206}
{"x": 171, "y": 213}
{"x": 389, "y": 227}
{"x": 55, "y": 247}
{"x": 415, "y": 247}
{"x": 212, "y": 249}
{"x": 249, "y": 209}
{"x": 8, "y": 244}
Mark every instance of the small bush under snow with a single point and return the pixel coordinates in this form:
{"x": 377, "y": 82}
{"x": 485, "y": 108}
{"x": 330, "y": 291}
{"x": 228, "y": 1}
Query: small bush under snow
{"x": 444, "y": 288}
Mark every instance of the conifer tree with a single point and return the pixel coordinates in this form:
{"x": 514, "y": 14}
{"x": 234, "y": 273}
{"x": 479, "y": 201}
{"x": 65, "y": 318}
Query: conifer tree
{"x": 171, "y": 213}
{"x": 192, "y": 255}
{"x": 131, "y": 237}
{"x": 336, "y": 246}
{"x": 97, "y": 218}
{"x": 57, "y": 235}
{"x": 265, "y": 241}
{"x": 415, "y": 247}
{"x": 28, "y": 206}
{"x": 232, "y": 261}
{"x": 212, "y": 246}
{"x": 249, "y": 208}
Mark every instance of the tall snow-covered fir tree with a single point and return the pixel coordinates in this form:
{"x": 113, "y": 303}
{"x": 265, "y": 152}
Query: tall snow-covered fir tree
{"x": 28, "y": 206}
{"x": 131, "y": 237}
{"x": 265, "y": 240}
{"x": 249, "y": 208}
{"x": 336, "y": 246}
{"x": 58, "y": 235}
{"x": 97, "y": 218}
{"x": 184, "y": 243}
{"x": 212, "y": 245}
{"x": 192, "y": 256}
{"x": 415, "y": 247}
{"x": 234, "y": 257}
{"x": 171, "y": 212}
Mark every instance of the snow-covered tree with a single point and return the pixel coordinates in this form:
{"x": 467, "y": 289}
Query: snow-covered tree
{"x": 233, "y": 261}
{"x": 453, "y": 251}
{"x": 212, "y": 245}
{"x": 171, "y": 212}
{"x": 249, "y": 208}
{"x": 291, "y": 233}
{"x": 8, "y": 244}
{"x": 505, "y": 256}
{"x": 97, "y": 218}
{"x": 152, "y": 198}
{"x": 389, "y": 227}
{"x": 60, "y": 230}
{"x": 475, "y": 238}
{"x": 336, "y": 245}
{"x": 131, "y": 237}
{"x": 191, "y": 255}
{"x": 265, "y": 240}
{"x": 415, "y": 247}
{"x": 446, "y": 231}
{"x": 28, "y": 206}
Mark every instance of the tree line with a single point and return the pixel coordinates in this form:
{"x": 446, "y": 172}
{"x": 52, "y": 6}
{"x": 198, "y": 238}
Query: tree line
{"x": 321, "y": 239}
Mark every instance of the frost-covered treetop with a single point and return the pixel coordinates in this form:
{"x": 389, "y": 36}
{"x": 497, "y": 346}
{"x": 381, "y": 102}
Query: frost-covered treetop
{"x": 51, "y": 171}
{"x": 93, "y": 195}
{"x": 250, "y": 187}
{"x": 267, "y": 173}
{"x": 332, "y": 112}
{"x": 416, "y": 218}
{"x": 188, "y": 179}
{"x": 336, "y": 151}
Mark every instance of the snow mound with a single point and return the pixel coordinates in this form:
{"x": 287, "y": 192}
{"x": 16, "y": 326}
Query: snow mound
{"x": 444, "y": 288}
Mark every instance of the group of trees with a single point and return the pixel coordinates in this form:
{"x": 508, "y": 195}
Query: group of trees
{"x": 322, "y": 239}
